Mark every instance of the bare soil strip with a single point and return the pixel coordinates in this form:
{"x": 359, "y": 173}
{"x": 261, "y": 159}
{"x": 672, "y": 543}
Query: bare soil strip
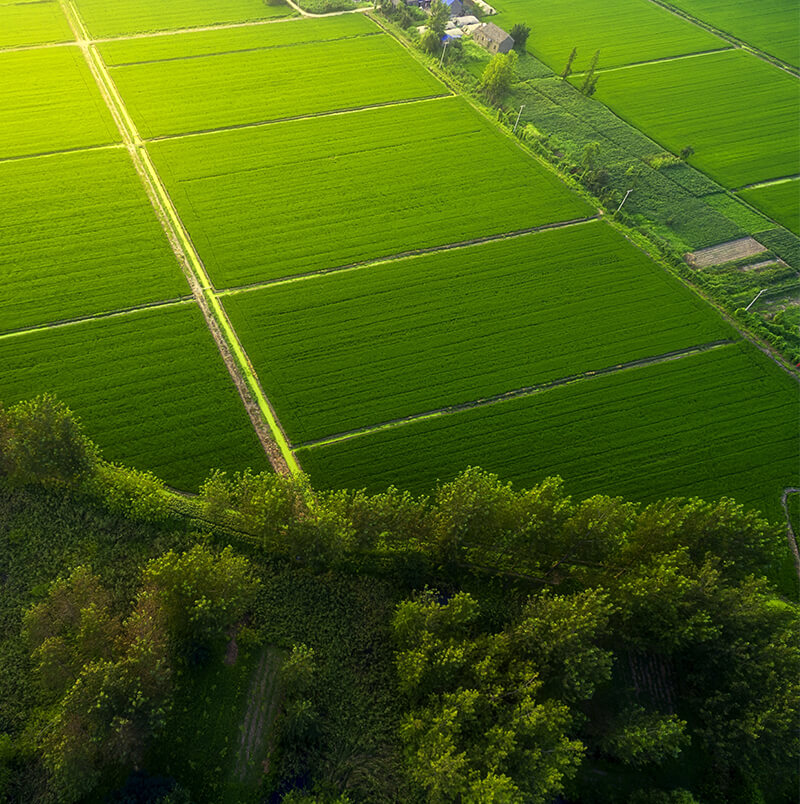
{"x": 790, "y": 534}
{"x": 658, "y": 61}
{"x": 261, "y": 414}
{"x": 66, "y": 322}
{"x": 403, "y": 255}
{"x": 78, "y": 149}
{"x": 332, "y": 113}
{"x": 518, "y": 392}
{"x": 725, "y": 252}
{"x": 769, "y": 183}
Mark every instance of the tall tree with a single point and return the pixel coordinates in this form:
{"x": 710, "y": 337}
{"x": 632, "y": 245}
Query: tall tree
{"x": 568, "y": 68}
{"x": 498, "y": 76}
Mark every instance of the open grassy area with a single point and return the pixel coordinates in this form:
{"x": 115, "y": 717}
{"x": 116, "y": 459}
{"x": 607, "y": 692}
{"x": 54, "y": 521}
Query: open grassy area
{"x": 360, "y": 347}
{"x": 709, "y": 425}
{"x": 252, "y": 86}
{"x": 134, "y": 16}
{"x": 740, "y": 114}
{"x": 32, "y": 23}
{"x": 770, "y": 25}
{"x": 49, "y": 102}
{"x": 312, "y": 194}
{"x": 625, "y": 31}
{"x": 217, "y": 41}
{"x": 79, "y": 236}
{"x": 780, "y": 201}
{"x": 150, "y": 388}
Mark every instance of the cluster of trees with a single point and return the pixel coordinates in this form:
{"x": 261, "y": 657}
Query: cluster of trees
{"x": 106, "y": 672}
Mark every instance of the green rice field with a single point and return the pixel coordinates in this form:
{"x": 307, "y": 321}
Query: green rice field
{"x": 360, "y": 347}
{"x": 771, "y": 25}
{"x": 104, "y": 18}
{"x": 740, "y": 114}
{"x": 118, "y": 52}
{"x": 708, "y": 425}
{"x": 209, "y": 92}
{"x": 780, "y": 201}
{"x": 32, "y": 24}
{"x": 150, "y": 388}
{"x": 78, "y": 236}
{"x": 49, "y": 102}
{"x": 314, "y": 194}
{"x": 625, "y": 31}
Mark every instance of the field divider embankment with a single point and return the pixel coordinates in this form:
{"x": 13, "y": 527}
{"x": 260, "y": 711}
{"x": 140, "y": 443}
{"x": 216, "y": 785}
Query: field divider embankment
{"x": 404, "y": 255}
{"x": 517, "y": 393}
{"x": 728, "y": 37}
{"x": 790, "y": 534}
{"x": 309, "y": 116}
{"x": 767, "y": 183}
{"x": 661, "y": 60}
{"x": 259, "y": 49}
{"x": 82, "y": 319}
{"x": 38, "y": 46}
{"x": 78, "y": 149}
{"x": 262, "y": 416}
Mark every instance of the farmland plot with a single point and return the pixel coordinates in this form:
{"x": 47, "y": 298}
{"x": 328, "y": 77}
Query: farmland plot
{"x": 319, "y": 193}
{"x": 625, "y": 31}
{"x": 104, "y": 18}
{"x": 780, "y": 201}
{"x": 740, "y": 114}
{"x": 208, "y": 92}
{"x": 118, "y": 52}
{"x": 32, "y": 24}
{"x": 150, "y": 388}
{"x": 50, "y": 102}
{"x": 360, "y": 347}
{"x": 770, "y": 25}
{"x": 79, "y": 236}
{"x": 708, "y": 425}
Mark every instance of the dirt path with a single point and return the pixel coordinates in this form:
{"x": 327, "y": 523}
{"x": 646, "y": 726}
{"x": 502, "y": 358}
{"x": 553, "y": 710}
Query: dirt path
{"x": 790, "y": 534}
{"x": 402, "y": 255}
{"x": 517, "y": 393}
{"x": 264, "y": 421}
{"x": 634, "y": 64}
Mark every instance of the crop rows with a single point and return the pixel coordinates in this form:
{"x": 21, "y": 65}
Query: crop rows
{"x": 78, "y": 236}
{"x": 361, "y": 347}
{"x": 780, "y": 201}
{"x": 104, "y": 18}
{"x": 739, "y": 114}
{"x": 149, "y": 387}
{"x": 208, "y": 92}
{"x": 768, "y": 24}
{"x": 227, "y": 40}
{"x": 625, "y": 31}
{"x": 313, "y": 194}
{"x": 708, "y": 425}
{"x": 32, "y": 24}
{"x": 49, "y": 102}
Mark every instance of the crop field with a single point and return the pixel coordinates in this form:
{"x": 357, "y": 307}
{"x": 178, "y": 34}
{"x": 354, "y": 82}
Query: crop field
{"x": 92, "y": 245}
{"x": 770, "y": 25}
{"x": 361, "y": 347}
{"x": 740, "y": 114}
{"x": 708, "y": 425}
{"x": 625, "y": 31}
{"x": 780, "y": 201}
{"x": 49, "y": 102}
{"x": 104, "y": 18}
{"x": 208, "y": 92}
{"x": 32, "y": 23}
{"x": 149, "y": 386}
{"x": 118, "y": 52}
{"x": 285, "y": 199}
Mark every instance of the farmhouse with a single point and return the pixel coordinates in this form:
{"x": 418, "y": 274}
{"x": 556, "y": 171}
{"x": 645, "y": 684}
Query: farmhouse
{"x": 493, "y": 38}
{"x": 456, "y": 7}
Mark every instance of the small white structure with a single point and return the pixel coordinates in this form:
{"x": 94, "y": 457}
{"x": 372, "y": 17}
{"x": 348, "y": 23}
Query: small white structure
{"x": 466, "y": 20}
{"x": 484, "y": 7}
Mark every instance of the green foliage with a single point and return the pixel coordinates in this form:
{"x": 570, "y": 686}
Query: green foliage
{"x": 498, "y": 76}
{"x": 642, "y": 737}
{"x": 130, "y": 493}
{"x": 590, "y": 79}
{"x": 198, "y": 594}
{"x": 520, "y": 33}
{"x": 570, "y": 61}
{"x": 430, "y": 42}
{"x": 439, "y": 16}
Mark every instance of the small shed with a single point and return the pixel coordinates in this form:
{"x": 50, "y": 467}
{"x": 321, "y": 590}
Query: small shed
{"x": 493, "y": 38}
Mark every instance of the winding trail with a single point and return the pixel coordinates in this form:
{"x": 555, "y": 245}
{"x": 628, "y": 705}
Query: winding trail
{"x": 790, "y": 534}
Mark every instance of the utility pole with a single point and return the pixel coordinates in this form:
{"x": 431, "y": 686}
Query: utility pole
{"x": 519, "y": 114}
{"x": 758, "y": 296}
{"x": 624, "y": 200}
{"x": 444, "y": 50}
